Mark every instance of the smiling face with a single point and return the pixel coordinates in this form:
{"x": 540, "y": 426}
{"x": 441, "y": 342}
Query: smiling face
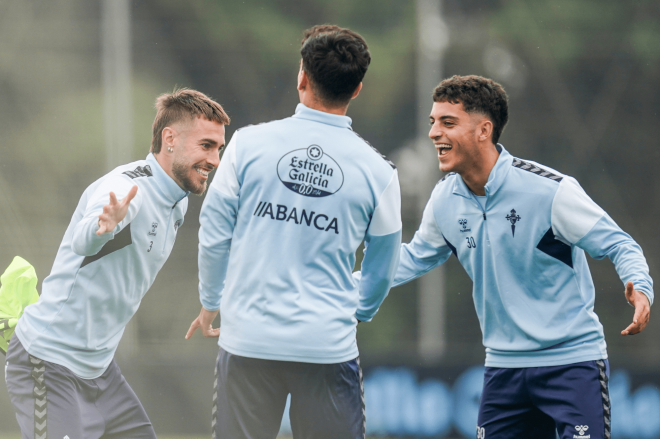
{"x": 197, "y": 145}
{"x": 456, "y": 135}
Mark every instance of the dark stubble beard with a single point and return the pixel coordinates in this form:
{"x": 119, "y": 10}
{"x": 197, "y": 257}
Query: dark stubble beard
{"x": 181, "y": 172}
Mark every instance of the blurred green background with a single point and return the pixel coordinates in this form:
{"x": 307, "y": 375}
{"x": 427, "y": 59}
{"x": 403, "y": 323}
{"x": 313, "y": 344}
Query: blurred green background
{"x": 582, "y": 76}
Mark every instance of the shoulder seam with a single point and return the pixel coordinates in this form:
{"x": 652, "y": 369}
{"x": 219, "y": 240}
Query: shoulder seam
{"x": 517, "y": 163}
{"x": 388, "y": 161}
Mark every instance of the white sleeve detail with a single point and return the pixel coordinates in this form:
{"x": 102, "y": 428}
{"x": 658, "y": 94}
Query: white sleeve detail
{"x": 226, "y": 180}
{"x": 387, "y": 215}
{"x": 428, "y": 229}
{"x": 573, "y": 212}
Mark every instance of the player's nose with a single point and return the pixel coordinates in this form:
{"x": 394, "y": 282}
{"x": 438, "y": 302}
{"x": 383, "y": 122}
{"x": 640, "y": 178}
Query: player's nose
{"x": 435, "y": 131}
{"x": 213, "y": 159}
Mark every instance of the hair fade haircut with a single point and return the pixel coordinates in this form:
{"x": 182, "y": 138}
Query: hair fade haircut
{"x": 335, "y": 60}
{"x": 184, "y": 105}
{"x": 478, "y": 95}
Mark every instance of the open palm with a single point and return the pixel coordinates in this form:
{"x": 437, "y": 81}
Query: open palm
{"x": 115, "y": 211}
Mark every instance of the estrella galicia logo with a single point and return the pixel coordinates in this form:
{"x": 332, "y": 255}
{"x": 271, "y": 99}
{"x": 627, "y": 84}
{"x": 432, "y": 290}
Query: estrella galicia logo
{"x": 513, "y": 219}
{"x": 463, "y": 222}
{"x": 154, "y": 226}
{"x": 177, "y": 224}
{"x": 310, "y": 172}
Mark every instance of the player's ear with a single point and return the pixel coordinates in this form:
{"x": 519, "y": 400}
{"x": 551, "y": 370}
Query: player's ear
{"x": 485, "y": 129}
{"x": 167, "y": 137}
{"x": 357, "y": 91}
{"x": 302, "y": 78}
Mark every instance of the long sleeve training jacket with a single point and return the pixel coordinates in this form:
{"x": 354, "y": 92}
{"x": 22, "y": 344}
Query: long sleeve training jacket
{"x": 97, "y": 282}
{"x": 525, "y": 253}
{"x": 289, "y": 206}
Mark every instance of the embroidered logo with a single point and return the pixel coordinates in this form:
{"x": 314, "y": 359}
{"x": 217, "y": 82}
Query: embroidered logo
{"x": 581, "y": 429}
{"x": 154, "y": 226}
{"x": 513, "y": 219}
{"x": 481, "y": 432}
{"x": 177, "y": 224}
{"x": 463, "y": 222}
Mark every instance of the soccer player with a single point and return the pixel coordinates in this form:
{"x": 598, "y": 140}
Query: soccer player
{"x": 61, "y": 375}
{"x": 520, "y": 230}
{"x": 280, "y": 225}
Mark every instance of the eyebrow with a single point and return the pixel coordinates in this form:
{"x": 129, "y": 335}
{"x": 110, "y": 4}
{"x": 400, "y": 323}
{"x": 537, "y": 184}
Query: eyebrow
{"x": 444, "y": 117}
{"x": 211, "y": 141}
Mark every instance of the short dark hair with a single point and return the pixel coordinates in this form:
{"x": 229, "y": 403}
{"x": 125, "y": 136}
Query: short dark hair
{"x": 478, "y": 95}
{"x": 335, "y": 60}
{"x": 183, "y": 104}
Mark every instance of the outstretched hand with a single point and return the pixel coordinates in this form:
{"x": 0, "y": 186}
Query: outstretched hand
{"x": 642, "y": 310}
{"x": 115, "y": 211}
{"x": 204, "y": 321}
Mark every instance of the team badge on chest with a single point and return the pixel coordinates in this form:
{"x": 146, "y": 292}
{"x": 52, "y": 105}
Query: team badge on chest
{"x": 513, "y": 218}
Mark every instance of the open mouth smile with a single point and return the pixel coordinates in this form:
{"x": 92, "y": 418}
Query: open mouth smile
{"x": 443, "y": 149}
{"x": 203, "y": 172}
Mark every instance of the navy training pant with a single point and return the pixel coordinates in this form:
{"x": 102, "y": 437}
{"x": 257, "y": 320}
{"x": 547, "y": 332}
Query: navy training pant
{"x": 539, "y": 402}
{"x": 327, "y": 400}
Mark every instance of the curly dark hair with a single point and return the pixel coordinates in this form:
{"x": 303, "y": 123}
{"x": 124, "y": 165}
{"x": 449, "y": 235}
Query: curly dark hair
{"x": 336, "y": 60}
{"x": 478, "y": 95}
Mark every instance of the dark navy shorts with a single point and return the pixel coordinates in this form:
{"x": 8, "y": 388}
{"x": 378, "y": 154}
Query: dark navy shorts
{"x": 327, "y": 400}
{"x": 540, "y": 402}
{"x": 52, "y": 402}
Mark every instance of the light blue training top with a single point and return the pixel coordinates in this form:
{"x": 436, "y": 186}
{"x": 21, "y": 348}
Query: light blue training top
{"x": 289, "y": 206}
{"x": 97, "y": 282}
{"x": 524, "y": 252}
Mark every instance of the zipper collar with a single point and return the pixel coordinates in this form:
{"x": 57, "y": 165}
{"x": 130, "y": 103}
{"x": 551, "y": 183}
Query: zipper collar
{"x": 495, "y": 178}
{"x": 166, "y": 185}
{"x": 304, "y": 112}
